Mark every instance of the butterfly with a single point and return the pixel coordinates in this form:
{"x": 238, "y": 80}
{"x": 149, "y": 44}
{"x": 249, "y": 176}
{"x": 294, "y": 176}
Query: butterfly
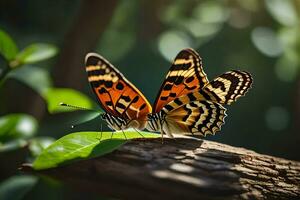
{"x": 188, "y": 103}
{"x": 124, "y": 105}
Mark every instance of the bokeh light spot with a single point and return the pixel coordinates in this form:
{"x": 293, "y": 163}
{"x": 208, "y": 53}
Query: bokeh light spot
{"x": 26, "y": 126}
{"x": 266, "y": 41}
{"x": 210, "y": 12}
{"x": 171, "y": 42}
{"x": 283, "y": 11}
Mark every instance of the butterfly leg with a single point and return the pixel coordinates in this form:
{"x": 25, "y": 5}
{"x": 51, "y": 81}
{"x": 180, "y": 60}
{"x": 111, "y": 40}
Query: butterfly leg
{"x": 124, "y": 134}
{"x": 167, "y": 129}
{"x": 100, "y": 133}
{"x": 162, "y": 136}
{"x": 139, "y": 132}
{"x": 111, "y": 136}
{"x": 162, "y": 131}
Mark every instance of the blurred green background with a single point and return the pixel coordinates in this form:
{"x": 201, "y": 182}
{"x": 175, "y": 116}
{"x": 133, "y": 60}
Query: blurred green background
{"x": 141, "y": 38}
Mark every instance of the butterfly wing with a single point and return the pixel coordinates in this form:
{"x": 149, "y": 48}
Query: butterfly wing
{"x": 224, "y": 89}
{"x": 196, "y": 118}
{"x": 185, "y": 75}
{"x": 114, "y": 92}
{"x": 201, "y": 112}
{"x": 228, "y": 87}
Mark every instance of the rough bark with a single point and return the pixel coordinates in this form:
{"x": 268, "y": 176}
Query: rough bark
{"x": 183, "y": 168}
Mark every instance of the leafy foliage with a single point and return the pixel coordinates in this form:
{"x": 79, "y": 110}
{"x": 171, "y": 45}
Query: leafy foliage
{"x": 8, "y": 48}
{"x": 84, "y": 145}
{"x": 16, "y": 129}
{"x": 36, "y": 52}
{"x": 30, "y": 76}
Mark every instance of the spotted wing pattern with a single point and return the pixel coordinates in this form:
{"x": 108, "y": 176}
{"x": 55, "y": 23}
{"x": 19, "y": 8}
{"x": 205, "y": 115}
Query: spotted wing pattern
{"x": 185, "y": 75}
{"x": 196, "y": 118}
{"x": 114, "y": 92}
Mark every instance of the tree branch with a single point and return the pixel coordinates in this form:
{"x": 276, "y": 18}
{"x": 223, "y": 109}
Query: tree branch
{"x": 185, "y": 167}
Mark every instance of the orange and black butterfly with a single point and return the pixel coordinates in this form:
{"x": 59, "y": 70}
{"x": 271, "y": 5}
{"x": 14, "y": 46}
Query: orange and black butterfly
{"x": 188, "y": 103}
{"x": 124, "y": 105}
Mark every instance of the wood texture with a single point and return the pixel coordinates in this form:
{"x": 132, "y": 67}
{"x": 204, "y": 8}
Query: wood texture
{"x": 183, "y": 168}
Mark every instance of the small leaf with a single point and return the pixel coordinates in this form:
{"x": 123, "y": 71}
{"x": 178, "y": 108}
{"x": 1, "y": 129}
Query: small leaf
{"x": 16, "y": 187}
{"x": 55, "y": 96}
{"x": 8, "y": 48}
{"x": 36, "y": 52}
{"x": 36, "y": 78}
{"x": 83, "y": 145}
{"x": 17, "y": 126}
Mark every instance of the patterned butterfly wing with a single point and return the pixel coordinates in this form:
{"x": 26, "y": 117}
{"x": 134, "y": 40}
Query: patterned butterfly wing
{"x": 114, "y": 92}
{"x": 228, "y": 87}
{"x": 224, "y": 89}
{"x": 196, "y": 118}
{"x": 185, "y": 75}
{"x": 201, "y": 112}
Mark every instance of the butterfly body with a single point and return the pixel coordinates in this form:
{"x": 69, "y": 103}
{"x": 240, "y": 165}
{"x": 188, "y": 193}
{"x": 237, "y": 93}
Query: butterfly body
{"x": 156, "y": 122}
{"x": 124, "y": 105}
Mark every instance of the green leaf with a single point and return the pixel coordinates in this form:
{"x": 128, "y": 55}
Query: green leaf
{"x": 36, "y": 52}
{"x": 8, "y": 48}
{"x": 16, "y": 187}
{"x": 36, "y": 78}
{"x": 83, "y": 145}
{"x": 17, "y": 126}
{"x": 55, "y": 96}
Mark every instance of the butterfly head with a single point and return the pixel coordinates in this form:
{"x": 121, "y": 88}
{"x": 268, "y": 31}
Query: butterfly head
{"x": 115, "y": 123}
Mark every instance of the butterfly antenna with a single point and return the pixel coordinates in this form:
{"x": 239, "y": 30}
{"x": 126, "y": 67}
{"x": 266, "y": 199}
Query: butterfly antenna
{"x": 84, "y": 122}
{"x": 78, "y": 107}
